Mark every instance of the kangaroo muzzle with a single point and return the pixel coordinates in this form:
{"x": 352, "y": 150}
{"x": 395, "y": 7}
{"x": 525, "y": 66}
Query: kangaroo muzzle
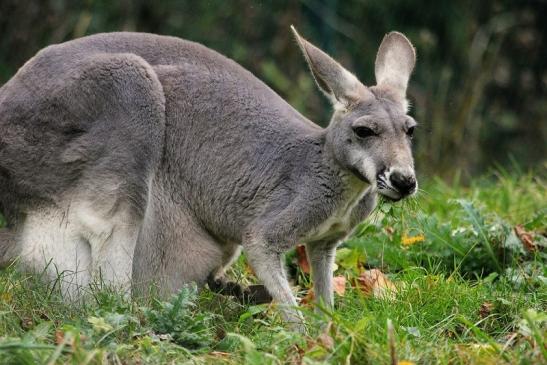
{"x": 397, "y": 183}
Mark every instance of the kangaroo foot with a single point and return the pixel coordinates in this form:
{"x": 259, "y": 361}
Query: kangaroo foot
{"x": 253, "y": 294}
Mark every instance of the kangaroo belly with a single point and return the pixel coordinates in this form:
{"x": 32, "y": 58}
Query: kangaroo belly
{"x": 51, "y": 243}
{"x": 76, "y": 242}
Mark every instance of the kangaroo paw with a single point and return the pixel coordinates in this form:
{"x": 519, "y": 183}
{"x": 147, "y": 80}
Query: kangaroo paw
{"x": 258, "y": 294}
{"x": 254, "y": 294}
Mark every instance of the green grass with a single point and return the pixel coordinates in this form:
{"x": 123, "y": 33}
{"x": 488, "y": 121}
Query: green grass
{"x": 468, "y": 293}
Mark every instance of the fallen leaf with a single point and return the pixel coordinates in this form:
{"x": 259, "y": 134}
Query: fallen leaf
{"x": 510, "y": 339}
{"x": 300, "y": 352}
{"x": 308, "y": 298}
{"x": 59, "y": 337}
{"x": 326, "y": 341}
{"x": 220, "y": 354}
{"x": 339, "y": 285}
{"x": 375, "y": 283}
{"x": 302, "y": 259}
{"x": 323, "y": 340}
{"x": 526, "y": 238}
{"x": 485, "y": 309}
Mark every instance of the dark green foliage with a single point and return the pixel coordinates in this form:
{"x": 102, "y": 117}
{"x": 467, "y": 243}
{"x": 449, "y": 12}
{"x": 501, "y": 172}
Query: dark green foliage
{"x": 479, "y": 89}
{"x": 180, "y": 319}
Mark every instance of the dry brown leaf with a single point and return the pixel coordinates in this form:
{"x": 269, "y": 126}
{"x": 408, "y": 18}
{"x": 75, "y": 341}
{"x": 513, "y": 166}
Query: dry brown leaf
{"x": 485, "y": 309}
{"x": 296, "y": 354}
{"x": 510, "y": 339}
{"x": 526, "y": 238}
{"x": 339, "y": 285}
{"x": 302, "y": 259}
{"x": 326, "y": 341}
{"x": 59, "y": 337}
{"x": 375, "y": 283}
{"x": 308, "y": 298}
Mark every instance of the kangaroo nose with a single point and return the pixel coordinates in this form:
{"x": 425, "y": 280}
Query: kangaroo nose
{"x": 404, "y": 183}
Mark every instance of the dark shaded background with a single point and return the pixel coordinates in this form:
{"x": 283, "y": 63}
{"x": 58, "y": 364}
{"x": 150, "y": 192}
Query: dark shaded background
{"x": 479, "y": 89}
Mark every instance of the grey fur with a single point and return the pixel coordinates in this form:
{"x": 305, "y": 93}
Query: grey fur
{"x": 181, "y": 155}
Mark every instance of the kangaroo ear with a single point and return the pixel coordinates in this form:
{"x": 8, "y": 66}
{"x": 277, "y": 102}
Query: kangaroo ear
{"x": 394, "y": 63}
{"x": 340, "y": 86}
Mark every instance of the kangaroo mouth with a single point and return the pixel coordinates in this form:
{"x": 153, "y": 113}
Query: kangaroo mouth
{"x": 390, "y": 195}
{"x": 359, "y": 175}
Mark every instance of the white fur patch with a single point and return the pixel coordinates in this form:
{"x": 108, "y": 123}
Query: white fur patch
{"x": 78, "y": 242}
{"x": 369, "y": 170}
{"x": 339, "y": 221}
{"x": 50, "y": 242}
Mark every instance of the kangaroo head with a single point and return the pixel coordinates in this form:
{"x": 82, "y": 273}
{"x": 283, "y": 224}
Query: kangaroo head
{"x": 370, "y": 132}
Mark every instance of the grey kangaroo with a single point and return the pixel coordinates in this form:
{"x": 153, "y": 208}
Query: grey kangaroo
{"x": 150, "y": 159}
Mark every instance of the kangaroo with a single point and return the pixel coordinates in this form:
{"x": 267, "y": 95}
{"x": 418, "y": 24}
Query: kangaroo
{"x": 151, "y": 159}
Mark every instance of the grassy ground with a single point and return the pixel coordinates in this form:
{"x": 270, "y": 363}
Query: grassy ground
{"x": 469, "y": 289}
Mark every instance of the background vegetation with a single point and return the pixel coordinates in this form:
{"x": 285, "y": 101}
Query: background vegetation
{"x": 465, "y": 261}
{"x": 479, "y": 89}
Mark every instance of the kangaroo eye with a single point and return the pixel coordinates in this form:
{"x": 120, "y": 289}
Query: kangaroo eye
{"x": 364, "y": 132}
{"x": 410, "y": 132}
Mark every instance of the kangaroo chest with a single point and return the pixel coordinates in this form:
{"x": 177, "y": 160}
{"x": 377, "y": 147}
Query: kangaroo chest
{"x": 339, "y": 223}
